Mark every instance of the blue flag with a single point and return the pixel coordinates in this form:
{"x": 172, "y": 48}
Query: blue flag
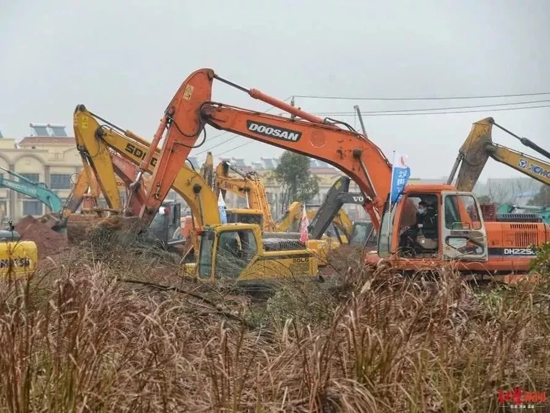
{"x": 399, "y": 177}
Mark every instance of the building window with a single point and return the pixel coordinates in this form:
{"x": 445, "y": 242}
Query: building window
{"x": 31, "y": 177}
{"x": 60, "y": 181}
{"x": 32, "y": 208}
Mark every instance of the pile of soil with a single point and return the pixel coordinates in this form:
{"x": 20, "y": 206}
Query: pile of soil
{"x": 47, "y": 240}
{"x": 78, "y": 225}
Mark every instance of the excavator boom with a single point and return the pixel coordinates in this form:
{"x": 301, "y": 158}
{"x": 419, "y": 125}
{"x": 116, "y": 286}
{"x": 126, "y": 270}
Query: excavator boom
{"x": 182, "y": 130}
{"x": 479, "y": 147}
{"x": 309, "y": 135}
{"x": 187, "y": 183}
{"x": 35, "y": 190}
{"x": 347, "y": 150}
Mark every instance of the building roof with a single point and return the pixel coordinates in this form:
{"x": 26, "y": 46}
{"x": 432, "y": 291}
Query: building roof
{"x": 48, "y": 129}
{"x": 46, "y": 140}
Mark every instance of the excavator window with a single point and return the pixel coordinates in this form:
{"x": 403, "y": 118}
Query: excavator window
{"x": 235, "y": 251}
{"x": 461, "y": 212}
{"x": 418, "y": 232}
{"x": 205, "y": 256}
{"x": 245, "y": 218}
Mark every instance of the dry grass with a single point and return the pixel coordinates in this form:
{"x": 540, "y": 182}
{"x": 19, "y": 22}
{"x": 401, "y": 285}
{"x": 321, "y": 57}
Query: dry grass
{"x": 77, "y": 339}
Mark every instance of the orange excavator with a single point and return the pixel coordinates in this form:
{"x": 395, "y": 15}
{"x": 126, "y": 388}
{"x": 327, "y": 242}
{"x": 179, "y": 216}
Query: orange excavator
{"x": 461, "y": 235}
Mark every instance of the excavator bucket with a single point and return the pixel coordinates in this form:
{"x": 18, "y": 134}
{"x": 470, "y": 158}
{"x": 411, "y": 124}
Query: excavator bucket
{"x": 52, "y": 222}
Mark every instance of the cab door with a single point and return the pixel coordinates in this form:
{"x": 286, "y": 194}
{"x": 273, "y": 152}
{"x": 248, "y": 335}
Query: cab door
{"x": 462, "y": 228}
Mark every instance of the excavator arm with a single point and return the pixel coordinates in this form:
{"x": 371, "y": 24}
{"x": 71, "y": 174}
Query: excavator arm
{"x": 98, "y": 158}
{"x": 183, "y": 127}
{"x": 331, "y": 209}
{"x": 479, "y": 147}
{"x": 292, "y": 214}
{"x": 323, "y": 139}
{"x": 78, "y": 194}
{"x": 247, "y": 186}
{"x": 187, "y": 183}
{"x": 35, "y": 190}
{"x": 207, "y": 170}
{"x": 87, "y": 181}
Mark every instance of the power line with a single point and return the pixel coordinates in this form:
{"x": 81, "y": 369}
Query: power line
{"x": 420, "y": 98}
{"x": 236, "y": 147}
{"x": 419, "y": 113}
{"x": 451, "y": 107}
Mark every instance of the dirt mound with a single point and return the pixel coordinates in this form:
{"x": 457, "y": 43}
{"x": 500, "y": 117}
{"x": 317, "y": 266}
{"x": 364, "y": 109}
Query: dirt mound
{"x": 47, "y": 241}
{"x": 77, "y": 226}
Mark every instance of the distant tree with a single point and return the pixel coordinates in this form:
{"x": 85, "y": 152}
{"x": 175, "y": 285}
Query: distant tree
{"x": 542, "y": 198}
{"x": 498, "y": 193}
{"x": 295, "y": 176}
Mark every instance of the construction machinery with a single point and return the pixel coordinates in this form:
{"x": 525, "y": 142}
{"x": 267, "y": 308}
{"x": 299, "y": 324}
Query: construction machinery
{"x": 35, "y": 190}
{"x": 17, "y": 258}
{"x": 248, "y": 186}
{"x": 461, "y": 235}
{"x": 542, "y": 211}
{"x": 101, "y": 140}
{"x": 479, "y": 147}
{"x": 330, "y": 212}
{"x": 357, "y": 234}
{"x": 240, "y": 252}
{"x": 293, "y": 214}
{"x": 60, "y": 211}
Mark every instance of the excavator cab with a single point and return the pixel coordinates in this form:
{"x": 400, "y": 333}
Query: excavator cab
{"x": 239, "y": 252}
{"x": 452, "y": 227}
{"x": 233, "y": 248}
{"x": 166, "y": 222}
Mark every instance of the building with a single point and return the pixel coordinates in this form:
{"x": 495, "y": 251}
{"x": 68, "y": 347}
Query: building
{"x": 48, "y": 156}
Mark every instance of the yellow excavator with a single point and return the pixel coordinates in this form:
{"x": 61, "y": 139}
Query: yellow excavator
{"x": 250, "y": 215}
{"x": 17, "y": 258}
{"x": 479, "y": 147}
{"x": 97, "y": 139}
{"x": 248, "y": 186}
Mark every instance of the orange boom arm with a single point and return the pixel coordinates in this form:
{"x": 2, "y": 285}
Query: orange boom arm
{"x": 323, "y": 139}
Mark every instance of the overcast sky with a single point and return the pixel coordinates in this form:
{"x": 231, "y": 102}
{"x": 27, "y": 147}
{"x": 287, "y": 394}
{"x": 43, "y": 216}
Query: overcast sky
{"x": 125, "y": 59}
